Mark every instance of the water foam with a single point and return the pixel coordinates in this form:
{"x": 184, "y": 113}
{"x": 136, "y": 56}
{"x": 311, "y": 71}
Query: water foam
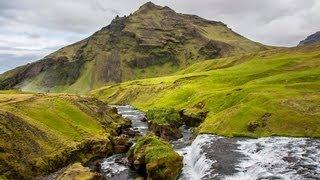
{"x": 279, "y": 158}
{"x": 196, "y": 164}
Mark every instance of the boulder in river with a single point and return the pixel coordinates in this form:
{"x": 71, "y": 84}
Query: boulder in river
{"x": 155, "y": 157}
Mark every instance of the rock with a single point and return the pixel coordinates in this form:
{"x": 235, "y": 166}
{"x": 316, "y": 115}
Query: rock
{"x": 193, "y": 119}
{"x": 121, "y": 144}
{"x": 167, "y": 132}
{"x": 156, "y": 158}
{"x": 78, "y": 172}
{"x": 144, "y": 119}
{"x": 252, "y": 126}
{"x": 165, "y": 123}
{"x": 314, "y": 38}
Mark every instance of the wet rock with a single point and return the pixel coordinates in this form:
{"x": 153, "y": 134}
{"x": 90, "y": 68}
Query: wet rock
{"x": 123, "y": 161}
{"x": 167, "y": 132}
{"x": 122, "y": 144}
{"x": 144, "y": 119}
{"x": 131, "y": 132}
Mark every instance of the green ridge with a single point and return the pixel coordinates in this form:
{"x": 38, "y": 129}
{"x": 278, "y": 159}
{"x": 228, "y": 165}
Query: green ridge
{"x": 269, "y": 93}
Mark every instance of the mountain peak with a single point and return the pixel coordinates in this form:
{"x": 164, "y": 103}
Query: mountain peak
{"x": 314, "y": 38}
{"x": 150, "y": 5}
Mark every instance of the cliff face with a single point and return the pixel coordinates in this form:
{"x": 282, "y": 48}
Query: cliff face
{"x": 153, "y": 41}
{"x": 314, "y": 38}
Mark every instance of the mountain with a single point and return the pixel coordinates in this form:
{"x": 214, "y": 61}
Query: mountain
{"x": 314, "y": 38}
{"x": 270, "y": 93}
{"x": 153, "y": 41}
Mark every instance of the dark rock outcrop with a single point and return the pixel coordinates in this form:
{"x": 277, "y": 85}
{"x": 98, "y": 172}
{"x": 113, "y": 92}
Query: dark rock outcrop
{"x": 314, "y": 38}
{"x": 193, "y": 120}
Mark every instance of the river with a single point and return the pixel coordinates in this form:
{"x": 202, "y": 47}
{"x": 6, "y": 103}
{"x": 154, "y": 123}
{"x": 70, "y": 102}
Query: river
{"x": 216, "y": 157}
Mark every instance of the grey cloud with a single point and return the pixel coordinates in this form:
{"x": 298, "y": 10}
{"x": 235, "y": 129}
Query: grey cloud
{"x": 9, "y": 61}
{"x": 48, "y": 25}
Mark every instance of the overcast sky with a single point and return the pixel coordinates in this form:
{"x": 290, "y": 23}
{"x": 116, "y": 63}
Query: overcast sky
{"x": 30, "y": 29}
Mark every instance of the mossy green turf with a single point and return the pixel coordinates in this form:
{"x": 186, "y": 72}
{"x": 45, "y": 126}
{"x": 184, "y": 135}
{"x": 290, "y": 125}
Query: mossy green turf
{"x": 277, "y": 91}
{"x": 37, "y": 129}
{"x": 163, "y": 116}
{"x": 161, "y": 161}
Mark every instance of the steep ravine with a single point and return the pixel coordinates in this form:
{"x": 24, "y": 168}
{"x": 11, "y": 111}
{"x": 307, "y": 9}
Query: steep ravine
{"x": 215, "y": 157}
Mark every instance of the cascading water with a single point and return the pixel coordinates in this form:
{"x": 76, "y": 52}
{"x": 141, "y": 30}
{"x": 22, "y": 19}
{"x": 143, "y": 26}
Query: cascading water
{"x": 135, "y": 116}
{"x": 111, "y": 167}
{"x": 279, "y": 158}
{"x": 196, "y": 164}
{"x": 215, "y": 157}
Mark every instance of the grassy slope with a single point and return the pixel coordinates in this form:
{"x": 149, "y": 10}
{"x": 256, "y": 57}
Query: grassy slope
{"x": 38, "y": 129}
{"x": 274, "y": 92}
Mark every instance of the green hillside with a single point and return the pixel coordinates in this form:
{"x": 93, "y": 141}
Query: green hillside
{"x": 40, "y": 133}
{"x": 275, "y": 92}
{"x": 153, "y": 41}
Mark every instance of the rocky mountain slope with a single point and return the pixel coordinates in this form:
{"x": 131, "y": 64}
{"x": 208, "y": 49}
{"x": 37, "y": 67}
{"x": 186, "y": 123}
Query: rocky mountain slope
{"x": 153, "y": 41}
{"x": 274, "y": 92}
{"x": 314, "y": 38}
{"x": 41, "y": 133}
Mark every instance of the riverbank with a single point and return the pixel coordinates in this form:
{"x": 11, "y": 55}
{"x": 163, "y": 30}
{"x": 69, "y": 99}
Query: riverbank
{"x": 41, "y": 133}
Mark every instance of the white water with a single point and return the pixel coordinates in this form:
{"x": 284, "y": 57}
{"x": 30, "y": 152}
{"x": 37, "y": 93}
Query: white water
{"x": 112, "y": 169}
{"x": 135, "y": 116}
{"x": 214, "y": 157}
{"x": 279, "y": 157}
{"x": 196, "y": 164}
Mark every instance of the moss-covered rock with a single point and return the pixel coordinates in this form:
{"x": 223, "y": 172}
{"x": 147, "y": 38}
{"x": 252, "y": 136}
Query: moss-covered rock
{"x": 165, "y": 123}
{"x": 78, "y": 172}
{"x": 155, "y": 157}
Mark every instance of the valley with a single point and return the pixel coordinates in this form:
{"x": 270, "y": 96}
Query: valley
{"x": 158, "y": 94}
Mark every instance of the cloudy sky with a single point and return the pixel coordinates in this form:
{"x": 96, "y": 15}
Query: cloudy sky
{"x": 30, "y": 29}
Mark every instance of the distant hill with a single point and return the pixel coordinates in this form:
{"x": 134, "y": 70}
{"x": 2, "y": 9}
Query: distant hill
{"x": 314, "y": 38}
{"x": 153, "y": 41}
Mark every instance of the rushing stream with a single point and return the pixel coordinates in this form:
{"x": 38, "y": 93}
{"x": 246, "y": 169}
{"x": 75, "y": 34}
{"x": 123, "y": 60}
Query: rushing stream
{"x": 215, "y": 157}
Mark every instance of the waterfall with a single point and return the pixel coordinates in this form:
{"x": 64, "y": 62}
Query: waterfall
{"x": 196, "y": 165}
